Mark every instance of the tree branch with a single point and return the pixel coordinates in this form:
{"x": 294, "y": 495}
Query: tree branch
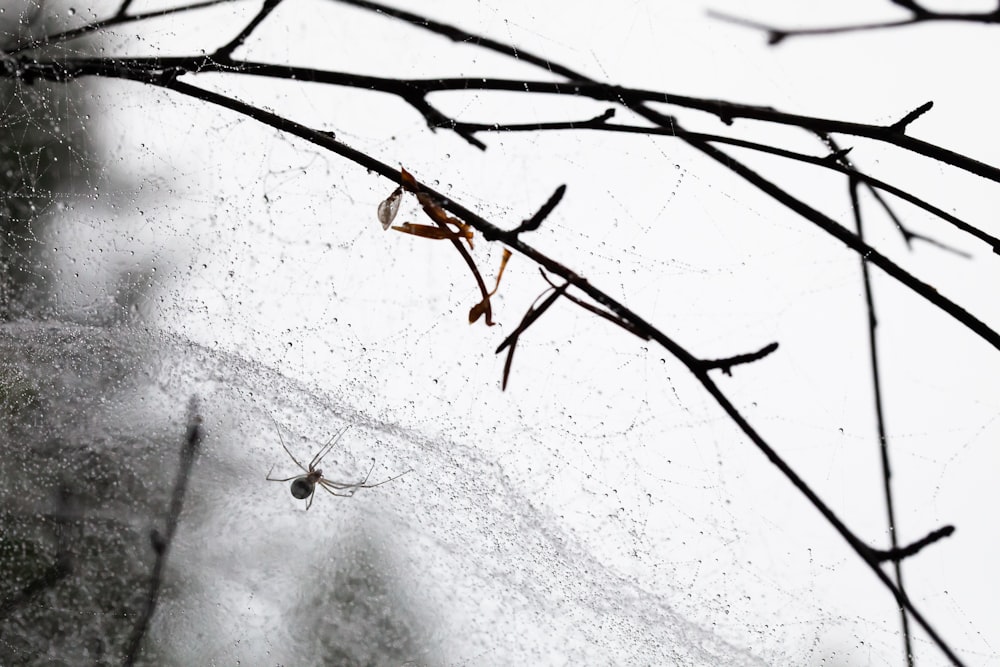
{"x": 535, "y": 221}
{"x": 776, "y": 35}
{"x": 161, "y": 542}
{"x": 225, "y": 52}
{"x": 534, "y": 312}
{"x": 635, "y": 99}
{"x": 492, "y": 232}
{"x": 702, "y": 376}
{"x": 120, "y": 18}
{"x": 880, "y": 419}
{"x": 835, "y": 162}
{"x": 726, "y": 364}
{"x": 898, "y": 554}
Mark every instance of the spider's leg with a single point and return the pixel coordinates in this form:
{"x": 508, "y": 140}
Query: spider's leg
{"x": 274, "y": 479}
{"x": 287, "y": 451}
{"x": 386, "y": 481}
{"x": 310, "y": 503}
{"x": 329, "y": 486}
{"x": 339, "y": 486}
{"x": 368, "y": 474}
{"x": 325, "y": 449}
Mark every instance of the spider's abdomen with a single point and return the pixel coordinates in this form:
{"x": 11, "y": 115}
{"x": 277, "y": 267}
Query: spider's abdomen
{"x": 301, "y": 488}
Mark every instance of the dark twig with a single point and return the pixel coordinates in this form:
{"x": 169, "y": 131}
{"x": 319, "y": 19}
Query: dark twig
{"x": 535, "y": 221}
{"x": 835, "y": 161}
{"x": 435, "y": 119}
{"x": 225, "y": 52}
{"x": 123, "y": 9}
{"x": 898, "y": 554}
{"x": 776, "y": 35}
{"x": 911, "y": 5}
{"x": 161, "y": 541}
{"x": 880, "y": 421}
{"x": 150, "y": 70}
{"x": 901, "y": 124}
{"x": 851, "y": 240}
{"x": 534, "y": 312}
{"x": 118, "y": 19}
{"x": 610, "y": 317}
{"x": 873, "y": 186}
{"x": 726, "y": 364}
{"x": 155, "y": 71}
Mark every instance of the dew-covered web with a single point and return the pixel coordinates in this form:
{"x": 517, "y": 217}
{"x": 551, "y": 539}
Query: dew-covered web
{"x": 162, "y": 252}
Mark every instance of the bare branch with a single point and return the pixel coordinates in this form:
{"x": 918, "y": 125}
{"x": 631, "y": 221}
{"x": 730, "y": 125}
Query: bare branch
{"x": 834, "y": 161}
{"x": 534, "y": 312}
{"x": 726, "y": 364}
{"x": 776, "y": 35}
{"x": 492, "y": 232}
{"x": 123, "y": 9}
{"x": 224, "y": 53}
{"x": 685, "y": 357}
{"x": 883, "y": 440}
{"x": 535, "y": 221}
{"x": 435, "y": 119}
{"x": 150, "y": 70}
{"x": 901, "y": 124}
{"x": 119, "y": 18}
{"x": 897, "y": 555}
{"x": 873, "y": 186}
{"x": 624, "y": 324}
{"x": 161, "y": 542}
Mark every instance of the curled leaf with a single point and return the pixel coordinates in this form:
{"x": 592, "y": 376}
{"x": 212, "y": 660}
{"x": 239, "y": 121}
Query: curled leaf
{"x": 483, "y": 306}
{"x": 433, "y": 210}
{"x": 433, "y": 232}
{"x": 388, "y": 209}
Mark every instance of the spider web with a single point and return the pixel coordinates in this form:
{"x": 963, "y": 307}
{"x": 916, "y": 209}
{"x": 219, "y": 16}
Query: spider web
{"x": 601, "y": 510}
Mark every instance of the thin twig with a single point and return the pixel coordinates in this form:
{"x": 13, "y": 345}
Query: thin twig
{"x": 165, "y": 73}
{"x": 836, "y": 161}
{"x": 898, "y": 554}
{"x": 119, "y": 18}
{"x": 161, "y": 542}
{"x": 614, "y": 319}
{"x": 776, "y": 35}
{"x": 726, "y": 364}
{"x": 225, "y": 52}
{"x": 901, "y": 124}
{"x": 846, "y": 166}
{"x": 534, "y": 312}
{"x": 880, "y": 421}
{"x": 535, "y": 221}
{"x": 636, "y": 99}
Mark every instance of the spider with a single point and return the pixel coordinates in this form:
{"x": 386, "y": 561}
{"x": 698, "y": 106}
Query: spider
{"x": 304, "y": 486}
